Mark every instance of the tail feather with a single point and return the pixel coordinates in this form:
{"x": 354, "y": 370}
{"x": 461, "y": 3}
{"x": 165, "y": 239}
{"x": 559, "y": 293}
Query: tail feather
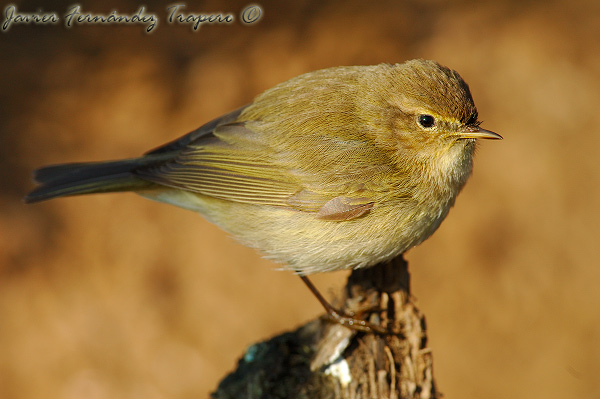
{"x": 88, "y": 178}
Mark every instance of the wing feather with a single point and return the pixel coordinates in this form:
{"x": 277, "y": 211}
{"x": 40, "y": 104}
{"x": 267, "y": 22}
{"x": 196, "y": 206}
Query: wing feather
{"x": 235, "y": 163}
{"x": 222, "y": 167}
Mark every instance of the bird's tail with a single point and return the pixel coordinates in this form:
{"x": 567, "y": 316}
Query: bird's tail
{"x": 88, "y": 178}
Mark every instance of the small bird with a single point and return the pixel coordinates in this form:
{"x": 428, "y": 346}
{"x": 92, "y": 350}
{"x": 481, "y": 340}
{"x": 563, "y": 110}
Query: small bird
{"x": 339, "y": 168}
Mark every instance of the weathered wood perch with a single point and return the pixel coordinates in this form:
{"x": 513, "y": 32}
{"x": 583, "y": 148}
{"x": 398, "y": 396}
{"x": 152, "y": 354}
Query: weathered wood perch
{"x": 326, "y": 360}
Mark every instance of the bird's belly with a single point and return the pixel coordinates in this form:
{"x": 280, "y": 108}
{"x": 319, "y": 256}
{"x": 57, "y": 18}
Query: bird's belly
{"x": 303, "y": 243}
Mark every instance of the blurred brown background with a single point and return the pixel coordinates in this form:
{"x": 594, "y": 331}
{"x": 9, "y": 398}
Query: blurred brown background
{"x": 114, "y": 296}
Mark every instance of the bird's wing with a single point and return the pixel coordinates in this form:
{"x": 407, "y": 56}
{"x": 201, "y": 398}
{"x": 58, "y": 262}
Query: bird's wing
{"x": 235, "y": 163}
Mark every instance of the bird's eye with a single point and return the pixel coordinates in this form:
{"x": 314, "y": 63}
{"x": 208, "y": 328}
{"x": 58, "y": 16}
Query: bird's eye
{"x": 426, "y": 120}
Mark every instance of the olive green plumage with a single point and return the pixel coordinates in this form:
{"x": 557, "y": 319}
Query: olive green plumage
{"x": 338, "y": 168}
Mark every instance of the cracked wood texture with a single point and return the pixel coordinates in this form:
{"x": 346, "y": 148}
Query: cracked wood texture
{"x": 326, "y": 360}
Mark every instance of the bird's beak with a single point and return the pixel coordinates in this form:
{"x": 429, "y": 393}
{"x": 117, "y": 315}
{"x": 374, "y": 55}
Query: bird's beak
{"x": 478, "y": 133}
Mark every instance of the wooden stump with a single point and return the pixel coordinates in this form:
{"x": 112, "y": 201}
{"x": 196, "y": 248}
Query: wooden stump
{"x": 326, "y": 360}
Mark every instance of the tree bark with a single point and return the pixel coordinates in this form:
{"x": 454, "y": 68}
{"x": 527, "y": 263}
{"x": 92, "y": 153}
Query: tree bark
{"x": 326, "y": 360}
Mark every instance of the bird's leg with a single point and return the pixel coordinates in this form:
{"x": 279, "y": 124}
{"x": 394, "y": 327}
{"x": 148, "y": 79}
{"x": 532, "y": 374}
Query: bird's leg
{"x": 340, "y": 317}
